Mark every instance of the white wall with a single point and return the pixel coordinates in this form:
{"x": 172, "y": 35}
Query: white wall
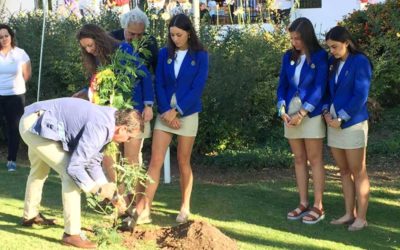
{"x": 14, "y": 6}
{"x": 329, "y": 14}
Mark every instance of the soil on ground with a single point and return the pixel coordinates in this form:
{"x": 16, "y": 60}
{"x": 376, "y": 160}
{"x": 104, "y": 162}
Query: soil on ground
{"x": 190, "y": 235}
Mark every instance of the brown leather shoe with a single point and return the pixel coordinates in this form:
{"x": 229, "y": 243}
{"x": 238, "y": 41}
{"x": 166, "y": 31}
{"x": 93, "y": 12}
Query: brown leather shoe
{"x": 38, "y": 220}
{"x": 77, "y": 241}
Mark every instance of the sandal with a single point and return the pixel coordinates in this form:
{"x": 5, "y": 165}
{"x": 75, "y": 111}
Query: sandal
{"x": 315, "y": 215}
{"x": 298, "y": 213}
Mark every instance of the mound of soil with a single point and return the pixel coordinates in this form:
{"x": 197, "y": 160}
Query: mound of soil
{"x": 191, "y": 235}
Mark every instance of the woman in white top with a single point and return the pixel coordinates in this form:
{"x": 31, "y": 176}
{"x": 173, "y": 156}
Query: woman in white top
{"x": 181, "y": 75}
{"x": 15, "y": 70}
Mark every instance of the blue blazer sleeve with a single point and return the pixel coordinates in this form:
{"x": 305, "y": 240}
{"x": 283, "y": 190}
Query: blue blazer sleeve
{"x": 315, "y": 96}
{"x": 362, "y": 81}
{"x": 199, "y": 82}
{"x": 160, "y": 82}
{"x": 283, "y": 84}
{"x": 143, "y": 92}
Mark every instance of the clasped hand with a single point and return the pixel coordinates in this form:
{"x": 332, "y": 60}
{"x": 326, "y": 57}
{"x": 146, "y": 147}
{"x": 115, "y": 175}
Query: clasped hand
{"x": 171, "y": 119}
{"x": 291, "y": 121}
{"x": 333, "y": 123}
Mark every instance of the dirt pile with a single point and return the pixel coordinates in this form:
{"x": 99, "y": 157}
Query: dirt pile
{"x": 191, "y": 235}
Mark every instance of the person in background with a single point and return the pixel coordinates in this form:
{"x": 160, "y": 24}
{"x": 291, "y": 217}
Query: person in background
{"x": 204, "y": 14}
{"x": 300, "y": 93}
{"x": 15, "y": 71}
{"x": 133, "y": 27}
{"x": 212, "y": 8}
{"x": 90, "y": 8}
{"x": 281, "y": 11}
{"x": 69, "y": 135}
{"x": 119, "y": 6}
{"x": 347, "y": 117}
{"x": 97, "y": 47}
{"x": 181, "y": 76}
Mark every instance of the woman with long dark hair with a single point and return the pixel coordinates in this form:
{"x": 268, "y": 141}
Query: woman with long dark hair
{"x": 181, "y": 75}
{"x": 97, "y": 48}
{"x": 301, "y": 88}
{"x": 15, "y": 71}
{"x": 347, "y": 118}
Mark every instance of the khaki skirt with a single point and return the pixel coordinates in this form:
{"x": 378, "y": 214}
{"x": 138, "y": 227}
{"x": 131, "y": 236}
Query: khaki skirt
{"x": 146, "y": 133}
{"x": 189, "y": 124}
{"x": 309, "y": 128}
{"x": 353, "y": 137}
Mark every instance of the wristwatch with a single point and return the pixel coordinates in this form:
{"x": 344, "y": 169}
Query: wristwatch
{"x": 149, "y": 105}
{"x": 340, "y": 120}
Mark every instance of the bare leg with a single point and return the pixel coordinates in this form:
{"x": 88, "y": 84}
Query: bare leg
{"x": 108, "y": 168}
{"x": 133, "y": 153}
{"x": 161, "y": 141}
{"x": 356, "y": 160}
{"x": 347, "y": 186}
{"x": 314, "y": 155}
{"x": 185, "y": 146}
{"x": 300, "y": 164}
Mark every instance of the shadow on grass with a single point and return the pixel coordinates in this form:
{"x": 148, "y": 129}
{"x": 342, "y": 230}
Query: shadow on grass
{"x": 266, "y": 205}
{"x": 18, "y": 229}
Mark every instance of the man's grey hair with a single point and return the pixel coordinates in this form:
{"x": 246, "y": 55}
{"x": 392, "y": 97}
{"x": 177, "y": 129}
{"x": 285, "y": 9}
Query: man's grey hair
{"x": 134, "y": 16}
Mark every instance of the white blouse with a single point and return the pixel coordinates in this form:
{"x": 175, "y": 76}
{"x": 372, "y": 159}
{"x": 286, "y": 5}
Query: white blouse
{"x": 180, "y": 55}
{"x": 11, "y": 78}
{"x": 297, "y": 72}
{"x": 341, "y": 63}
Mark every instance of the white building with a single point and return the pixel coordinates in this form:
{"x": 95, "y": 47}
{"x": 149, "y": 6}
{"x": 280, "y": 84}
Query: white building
{"x": 15, "y": 6}
{"x": 329, "y": 13}
{"x": 324, "y": 14}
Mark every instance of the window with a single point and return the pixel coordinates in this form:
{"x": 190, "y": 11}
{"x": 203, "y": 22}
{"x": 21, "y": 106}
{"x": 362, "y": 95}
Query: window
{"x": 308, "y": 4}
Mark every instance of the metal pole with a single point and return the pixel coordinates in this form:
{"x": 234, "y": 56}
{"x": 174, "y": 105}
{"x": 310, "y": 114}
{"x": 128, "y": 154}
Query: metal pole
{"x": 196, "y": 15}
{"x": 167, "y": 167}
{"x": 41, "y": 48}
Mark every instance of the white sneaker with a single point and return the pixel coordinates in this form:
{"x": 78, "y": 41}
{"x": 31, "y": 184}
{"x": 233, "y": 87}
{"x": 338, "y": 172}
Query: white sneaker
{"x": 182, "y": 217}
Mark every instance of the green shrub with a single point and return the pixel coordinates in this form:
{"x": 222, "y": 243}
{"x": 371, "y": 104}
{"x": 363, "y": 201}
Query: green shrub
{"x": 275, "y": 153}
{"x": 384, "y": 139}
{"x": 377, "y": 30}
{"x": 239, "y": 99}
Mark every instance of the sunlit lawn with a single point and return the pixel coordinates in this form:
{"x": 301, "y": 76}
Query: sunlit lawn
{"x": 253, "y": 213}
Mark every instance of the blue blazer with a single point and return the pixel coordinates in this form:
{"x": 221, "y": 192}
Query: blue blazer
{"x": 188, "y": 86}
{"x": 312, "y": 84}
{"x": 142, "y": 92}
{"x": 350, "y": 94}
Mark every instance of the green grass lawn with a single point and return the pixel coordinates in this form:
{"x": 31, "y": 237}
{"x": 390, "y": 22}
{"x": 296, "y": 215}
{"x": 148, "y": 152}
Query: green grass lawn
{"x": 252, "y": 213}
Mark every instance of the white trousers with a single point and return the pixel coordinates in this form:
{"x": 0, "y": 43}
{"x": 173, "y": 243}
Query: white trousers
{"x": 43, "y": 155}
